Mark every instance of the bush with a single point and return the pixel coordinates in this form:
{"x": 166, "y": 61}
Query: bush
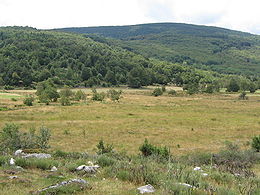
{"x": 148, "y": 149}
{"x": 163, "y": 89}
{"x": 66, "y": 93}
{"x": 191, "y": 88}
{"x": 233, "y": 160}
{"x": 172, "y": 92}
{"x": 243, "y": 96}
{"x": 12, "y": 139}
{"x": 114, "y": 95}
{"x": 28, "y": 101}
{"x": 233, "y": 86}
{"x": 103, "y": 149}
{"x": 43, "y": 98}
{"x": 256, "y": 143}
{"x": 197, "y": 159}
{"x": 105, "y": 161}
{"x": 65, "y": 101}
{"x": 80, "y": 95}
{"x": 98, "y": 96}
{"x": 8, "y": 87}
{"x": 157, "y": 92}
{"x": 14, "y": 99}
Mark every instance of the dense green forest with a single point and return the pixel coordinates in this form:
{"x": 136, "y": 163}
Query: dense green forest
{"x": 29, "y": 56}
{"x": 204, "y": 47}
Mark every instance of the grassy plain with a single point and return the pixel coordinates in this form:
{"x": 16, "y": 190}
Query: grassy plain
{"x": 185, "y": 123}
{"x": 193, "y": 123}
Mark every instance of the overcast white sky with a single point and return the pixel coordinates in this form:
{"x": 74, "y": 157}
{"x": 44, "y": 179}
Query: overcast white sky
{"x": 241, "y": 15}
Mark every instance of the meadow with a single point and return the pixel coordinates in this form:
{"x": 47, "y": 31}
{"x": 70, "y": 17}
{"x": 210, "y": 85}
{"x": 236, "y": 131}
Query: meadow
{"x": 187, "y": 124}
{"x": 193, "y": 123}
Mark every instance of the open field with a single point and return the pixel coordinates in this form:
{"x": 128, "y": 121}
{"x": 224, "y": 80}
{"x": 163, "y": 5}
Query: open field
{"x": 194, "y": 123}
{"x": 186, "y": 124}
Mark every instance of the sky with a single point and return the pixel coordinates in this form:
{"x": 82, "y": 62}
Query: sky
{"x": 242, "y": 15}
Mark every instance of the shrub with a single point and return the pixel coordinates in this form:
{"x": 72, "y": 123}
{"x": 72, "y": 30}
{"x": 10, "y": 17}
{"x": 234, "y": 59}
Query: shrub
{"x": 12, "y": 139}
{"x": 43, "y": 98}
{"x": 256, "y": 143}
{"x": 66, "y": 93}
{"x": 98, "y": 96}
{"x": 233, "y": 160}
{"x": 4, "y": 160}
{"x": 14, "y": 99}
{"x": 103, "y": 149}
{"x": 157, "y": 92}
{"x": 233, "y": 86}
{"x": 172, "y": 92}
{"x": 47, "y": 92}
{"x": 148, "y": 149}
{"x": 43, "y": 138}
{"x": 105, "y": 161}
{"x": 28, "y": 101}
{"x": 80, "y": 95}
{"x": 8, "y": 87}
{"x": 191, "y": 88}
{"x": 163, "y": 89}
{"x": 243, "y": 96}
{"x": 199, "y": 158}
{"x": 65, "y": 101}
{"x": 114, "y": 95}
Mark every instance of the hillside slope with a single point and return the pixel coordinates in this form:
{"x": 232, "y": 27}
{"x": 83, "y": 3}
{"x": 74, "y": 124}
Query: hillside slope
{"x": 204, "y": 47}
{"x": 28, "y": 56}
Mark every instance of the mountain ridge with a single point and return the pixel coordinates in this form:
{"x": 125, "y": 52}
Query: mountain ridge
{"x": 214, "y": 48}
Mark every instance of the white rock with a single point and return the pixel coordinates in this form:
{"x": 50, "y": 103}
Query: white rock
{"x": 18, "y": 152}
{"x": 13, "y": 177}
{"x": 54, "y": 169}
{"x": 12, "y": 161}
{"x": 87, "y": 169}
{"x": 146, "y": 189}
{"x": 81, "y": 167}
{"x": 18, "y": 167}
{"x": 36, "y": 155}
{"x": 64, "y": 183}
{"x": 205, "y": 174}
{"x": 197, "y": 169}
{"x": 186, "y": 185}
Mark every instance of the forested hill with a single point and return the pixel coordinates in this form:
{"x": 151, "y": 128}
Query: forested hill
{"x": 205, "y": 47}
{"x": 29, "y": 56}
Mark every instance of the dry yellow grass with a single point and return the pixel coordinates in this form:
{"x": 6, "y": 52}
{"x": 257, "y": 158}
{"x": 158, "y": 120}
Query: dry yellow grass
{"x": 196, "y": 123}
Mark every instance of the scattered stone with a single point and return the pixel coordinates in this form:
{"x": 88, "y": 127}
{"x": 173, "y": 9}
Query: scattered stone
{"x": 146, "y": 189}
{"x": 64, "y": 183}
{"x": 197, "y": 169}
{"x": 12, "y": 161}
{"x": 13, "y": 177}
{"x": 88, "y": 169}
{"x": 18, "y": 167}
{"x": 32, "y": 155}
{"x": 186, "y": 185}
{"x": 205, "y": 174}
{"x": 54, "y": 169}
{"x": 36, "y": 155}
{"x": 18, "y": 152}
